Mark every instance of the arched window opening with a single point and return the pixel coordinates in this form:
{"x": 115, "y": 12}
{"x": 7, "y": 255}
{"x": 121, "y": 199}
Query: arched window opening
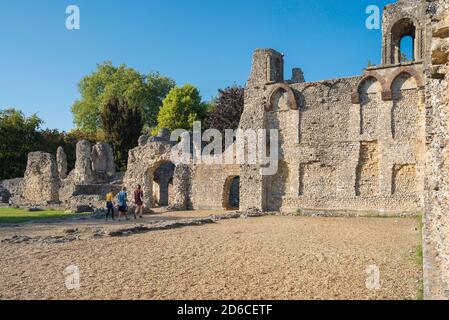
{"x": 403, "y": 37}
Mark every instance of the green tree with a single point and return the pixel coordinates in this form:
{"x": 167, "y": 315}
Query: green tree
{"x": 181, "y": 108}
{"x": 19, "y": 135}
{"x": 158, "y": 87}
{"x": 109, "y": 82}
{"x": 122, "y": 126}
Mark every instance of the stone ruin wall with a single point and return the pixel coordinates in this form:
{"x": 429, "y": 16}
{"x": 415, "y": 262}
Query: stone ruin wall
{"x": 41, "y": 182}
{"x": 211, "y": 185}
{"x": 361, "y": 153}
{"x": 436, "y": 219}
{"x": 384, "y": 148}
{"x": 199, "y": 186}
{"x": 47, "y": 184}
{"x": 345, "y": 144}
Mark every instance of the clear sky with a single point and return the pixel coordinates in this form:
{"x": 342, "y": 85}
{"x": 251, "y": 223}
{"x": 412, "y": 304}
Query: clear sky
{"x": 207, "y": 43}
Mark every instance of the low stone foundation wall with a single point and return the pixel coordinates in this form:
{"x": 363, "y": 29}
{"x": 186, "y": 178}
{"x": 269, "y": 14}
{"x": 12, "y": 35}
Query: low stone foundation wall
{"x": 365, "y": 206}
{"x": 10, "y": 190}
{"x": 211, "y": 188}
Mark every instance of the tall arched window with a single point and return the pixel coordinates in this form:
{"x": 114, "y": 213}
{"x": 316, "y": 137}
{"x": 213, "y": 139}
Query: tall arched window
{"x": 403, "y": 37}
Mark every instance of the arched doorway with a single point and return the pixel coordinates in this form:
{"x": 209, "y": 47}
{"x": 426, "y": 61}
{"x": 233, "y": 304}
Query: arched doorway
{"x": 163, "y": 184}
{"x": 231, "y": 193}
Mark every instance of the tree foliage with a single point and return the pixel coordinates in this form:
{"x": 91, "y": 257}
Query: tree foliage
{"x": 122, "y": 125}
{"x": 20, "y": 135}
{"x": 51, "y": 139}
{"x": 228, "y": 109}
{"x": 158, "y": 87}
{"x": 181, "y": 108}
{"x": 109, "y": 82}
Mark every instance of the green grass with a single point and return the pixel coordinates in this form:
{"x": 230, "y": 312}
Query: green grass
{"x": 11, "y": 215}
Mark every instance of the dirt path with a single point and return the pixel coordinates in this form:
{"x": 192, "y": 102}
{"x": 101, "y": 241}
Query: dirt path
{"x": 257, "y": 258}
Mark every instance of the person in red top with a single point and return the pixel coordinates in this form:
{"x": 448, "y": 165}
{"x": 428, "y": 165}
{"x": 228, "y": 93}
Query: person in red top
{"x": 138, "y": 200}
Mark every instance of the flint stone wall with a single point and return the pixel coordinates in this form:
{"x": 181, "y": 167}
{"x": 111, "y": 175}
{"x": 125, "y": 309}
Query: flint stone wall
{"x": 4, "y": 194}
{"x": 143, "y": 161}
{"x": 345, "y": 144}
{"x": 12, "y": 190}
{"x": 82, "y": 173}
{"x": 93, "y": 176}
{"x": 197, "y": 186}
{"x": 436, "y": 219}
{"x": 61, "y": 159}
{"x": 211, "y": 186}
{"x": 103, "y": 160}
{"x": 41, "y": 182}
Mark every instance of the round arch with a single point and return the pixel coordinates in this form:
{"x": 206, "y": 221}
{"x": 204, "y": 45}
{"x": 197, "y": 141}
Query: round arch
{"x": 405, "y": 25}
{"x": 231, "y": 193}
{"x": 372, "y": 74}
{"x": 405, "y": 70}
{"x": 291, "y": 100}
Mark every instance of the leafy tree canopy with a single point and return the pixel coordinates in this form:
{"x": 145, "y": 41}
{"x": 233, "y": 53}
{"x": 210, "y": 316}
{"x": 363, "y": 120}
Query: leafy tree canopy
{"x": 18, "y": 136}
{"x": 181, "y": 108}
{"x": 123, "y": 83}
{"x": 228, "y": 109}
{"x": 122, "y": 125}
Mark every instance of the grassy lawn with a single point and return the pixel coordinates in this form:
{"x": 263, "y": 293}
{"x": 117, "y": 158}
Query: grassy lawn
{"x": 11, "y": 215}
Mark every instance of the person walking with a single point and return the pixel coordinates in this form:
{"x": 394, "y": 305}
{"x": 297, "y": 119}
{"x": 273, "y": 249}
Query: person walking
{"x": 122, "y": 198}
{"x": 110, "y": 205}
{"x": 138, "y": 200}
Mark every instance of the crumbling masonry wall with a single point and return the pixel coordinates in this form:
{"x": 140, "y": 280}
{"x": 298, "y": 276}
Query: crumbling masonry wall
{"x": 210, "y": 188}
{"x": 436, "y": 219}
{"x": 195, "y": 186}
{"x": 341, "y": 141}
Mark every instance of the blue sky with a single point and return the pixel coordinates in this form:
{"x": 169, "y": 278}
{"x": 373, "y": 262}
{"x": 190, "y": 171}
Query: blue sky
{"x": 207, "y": 43}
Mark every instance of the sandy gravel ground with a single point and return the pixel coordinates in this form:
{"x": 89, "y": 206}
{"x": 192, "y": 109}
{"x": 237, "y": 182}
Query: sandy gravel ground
{"x": 255, "y": 258}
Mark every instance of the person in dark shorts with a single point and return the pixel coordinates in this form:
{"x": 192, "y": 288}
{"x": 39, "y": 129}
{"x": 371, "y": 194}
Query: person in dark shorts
{"x": 138, "y": 200}
{"x": 122, "y": 198}
{"x": 110, "y": 205}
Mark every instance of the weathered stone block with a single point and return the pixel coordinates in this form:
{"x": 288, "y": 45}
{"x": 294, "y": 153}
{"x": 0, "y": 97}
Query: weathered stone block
{"x": 41, "y": 182}
{"x": 103, "y": 159}
{"x": 61, "y": 159}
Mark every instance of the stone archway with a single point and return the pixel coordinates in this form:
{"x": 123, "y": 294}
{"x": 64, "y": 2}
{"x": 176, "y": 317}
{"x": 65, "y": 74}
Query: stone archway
{"x": 163, "y": 179}
{"x": 156, "y": 183}
{"x": 231, "y": 193}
